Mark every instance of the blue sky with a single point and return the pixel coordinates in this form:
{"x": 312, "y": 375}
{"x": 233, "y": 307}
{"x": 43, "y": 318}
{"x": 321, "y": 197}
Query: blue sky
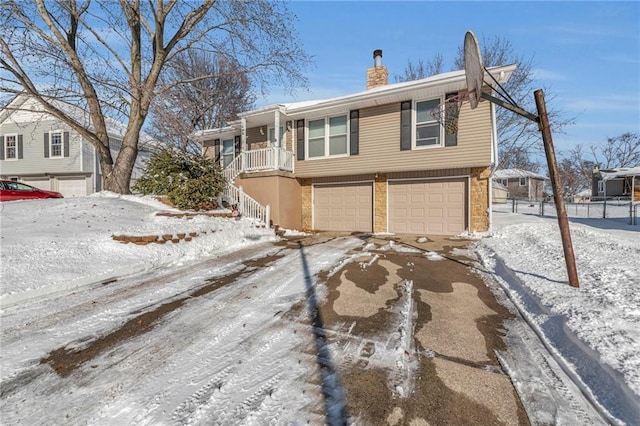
{"x": 585, "y": 54}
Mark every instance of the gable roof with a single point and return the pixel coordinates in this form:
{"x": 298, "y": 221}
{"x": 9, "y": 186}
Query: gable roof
{"x": 516, "y": 173}
{"x": 429, "y": 87}
{"x": 27, "y": 103}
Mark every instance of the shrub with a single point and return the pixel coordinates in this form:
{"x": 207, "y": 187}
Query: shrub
{"x": 189, "y": 180}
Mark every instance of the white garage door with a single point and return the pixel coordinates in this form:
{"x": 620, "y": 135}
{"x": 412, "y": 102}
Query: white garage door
{"x": 42, "y": 183}
{"x": 74, "y": 187}
{"x": 343, "y": 207}
{"x": 435, "y": 207}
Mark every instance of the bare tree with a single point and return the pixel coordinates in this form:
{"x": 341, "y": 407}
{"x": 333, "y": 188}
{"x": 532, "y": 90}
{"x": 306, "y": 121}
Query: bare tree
{"x": 619, "y": 151}
{"x": 198, "y": 103}
{"x": 575, "y": 174}
{"x": 419, "y": 70}
{"x": 571, "y": 180}
{"x": 516, "y": 157}
{"x": 108, "y": 57}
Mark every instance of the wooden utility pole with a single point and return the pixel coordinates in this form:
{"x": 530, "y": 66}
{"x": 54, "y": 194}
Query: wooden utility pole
{"x": 558, "y": 193}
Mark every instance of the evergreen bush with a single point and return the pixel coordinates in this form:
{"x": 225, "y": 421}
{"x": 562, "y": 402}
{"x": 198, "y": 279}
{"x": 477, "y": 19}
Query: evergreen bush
{"x": 188, "y": 180}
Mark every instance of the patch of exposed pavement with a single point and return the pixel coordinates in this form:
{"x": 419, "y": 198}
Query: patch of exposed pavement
{"x": 415, "y": 338}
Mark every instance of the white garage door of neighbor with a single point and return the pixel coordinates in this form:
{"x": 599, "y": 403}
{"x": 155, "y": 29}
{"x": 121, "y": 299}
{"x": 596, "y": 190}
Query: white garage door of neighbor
{"x": 41, "y": 183}
{"x": 343, "y": 207}
{"x": 72, "y": 187}
{"x": 435, "y": 207}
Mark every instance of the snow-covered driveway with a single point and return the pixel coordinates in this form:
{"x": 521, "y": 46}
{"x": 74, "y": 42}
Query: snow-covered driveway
{"x": 196, "y": 345}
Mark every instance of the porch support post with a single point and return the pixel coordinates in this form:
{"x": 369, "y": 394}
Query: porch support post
{"x": 277, "y": 137}
{"x": 243, "y": 133}
{"x": 267, "y": 214}
{"x": 243, "y": 143}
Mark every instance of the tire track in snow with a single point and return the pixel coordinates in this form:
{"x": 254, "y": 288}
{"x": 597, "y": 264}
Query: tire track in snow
{"x": 260, "y": 393}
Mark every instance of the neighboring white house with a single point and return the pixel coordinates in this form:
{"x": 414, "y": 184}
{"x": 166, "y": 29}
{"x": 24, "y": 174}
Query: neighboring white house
{"x": 521, "y": 184}
{"x": 39, "y": 149}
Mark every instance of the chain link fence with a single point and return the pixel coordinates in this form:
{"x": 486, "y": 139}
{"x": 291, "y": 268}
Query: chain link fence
{"x": 622, "y": 211}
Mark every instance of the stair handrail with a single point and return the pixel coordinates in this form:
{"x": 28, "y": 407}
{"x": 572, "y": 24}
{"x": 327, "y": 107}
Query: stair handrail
{"x": 247, "y": 206}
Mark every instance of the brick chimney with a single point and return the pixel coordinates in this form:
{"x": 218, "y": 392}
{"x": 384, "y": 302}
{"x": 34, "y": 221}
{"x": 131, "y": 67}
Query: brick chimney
{"x": 377, "y": 75}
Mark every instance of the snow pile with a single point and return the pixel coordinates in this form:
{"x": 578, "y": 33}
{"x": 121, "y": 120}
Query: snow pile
{"x": 69, "y": 241}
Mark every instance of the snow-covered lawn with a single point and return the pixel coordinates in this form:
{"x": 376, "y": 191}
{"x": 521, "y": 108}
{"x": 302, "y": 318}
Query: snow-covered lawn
{"x": 52, "y": 246}
{"x": 604, "y": 312}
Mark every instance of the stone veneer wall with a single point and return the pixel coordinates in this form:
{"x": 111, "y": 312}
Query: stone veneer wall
{"x": 479, "y": 199}
{"x": 380, "y": 203}
{"x": 307, "y": 204}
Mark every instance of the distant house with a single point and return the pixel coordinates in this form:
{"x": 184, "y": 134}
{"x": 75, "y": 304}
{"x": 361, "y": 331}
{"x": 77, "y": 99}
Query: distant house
{"x": 616, "y": 183}
{"x": 521, "y": 184}
{"x": 372, "y": 161}
{"x": 39, "y": 149}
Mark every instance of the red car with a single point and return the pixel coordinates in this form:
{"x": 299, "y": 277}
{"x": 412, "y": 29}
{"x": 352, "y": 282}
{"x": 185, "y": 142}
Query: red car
{"x": 11, "y": 190}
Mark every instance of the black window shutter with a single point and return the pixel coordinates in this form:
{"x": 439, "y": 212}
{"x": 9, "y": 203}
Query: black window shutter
{"x": 300, "y": 139}
{"x": 216, "y": 149}
{"x": 1, "y": 147}
{"x": 354, "y": 122}
{"x": 66, "y": 144}
{"x": 405, "y": 125}
{"x": 46, "y": 145}
{"x": 237, "y": 145}
{"x": 20, "y": 149}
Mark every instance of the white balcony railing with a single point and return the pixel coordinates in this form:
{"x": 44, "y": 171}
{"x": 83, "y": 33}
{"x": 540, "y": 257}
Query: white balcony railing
{"x": 258, "y": 160}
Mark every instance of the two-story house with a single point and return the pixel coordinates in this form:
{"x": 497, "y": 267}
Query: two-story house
{"x": 39, "y": 149}
{"x": 521, "y": 184}
{"x": 373, "y": 161}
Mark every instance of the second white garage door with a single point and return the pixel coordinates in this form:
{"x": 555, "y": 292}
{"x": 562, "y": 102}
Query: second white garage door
{"x": 72, "y": 187}
{"x": 343, "y": 207}
{"x": 435, "y": 207}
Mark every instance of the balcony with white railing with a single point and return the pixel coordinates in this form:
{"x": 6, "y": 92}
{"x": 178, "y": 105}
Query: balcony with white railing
{"x": 259, "y": 160}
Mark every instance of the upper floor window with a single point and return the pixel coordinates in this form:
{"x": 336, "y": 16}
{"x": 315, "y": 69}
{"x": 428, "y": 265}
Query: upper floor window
{"x": 11, "y": 147}
{"x": 523, "y": 181}
{"x": 328, "y": 137}
{"x": 427, "y": 127}
{"x": 505, "y": 182}
{"x": 55, "y": 144}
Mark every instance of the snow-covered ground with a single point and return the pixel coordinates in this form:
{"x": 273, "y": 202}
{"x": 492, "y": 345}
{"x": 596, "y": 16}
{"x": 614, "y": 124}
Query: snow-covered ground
{"x": 52, "y": 247}
{"x": 524, "y": 253}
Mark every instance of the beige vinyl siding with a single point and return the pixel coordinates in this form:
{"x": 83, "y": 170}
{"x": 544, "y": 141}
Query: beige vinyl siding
{"x": 380, "y": 146}
{"x": 256, "y": 140}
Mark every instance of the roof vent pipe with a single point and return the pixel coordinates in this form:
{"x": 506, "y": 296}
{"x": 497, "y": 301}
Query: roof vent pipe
{"x": 377, "y": 58}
